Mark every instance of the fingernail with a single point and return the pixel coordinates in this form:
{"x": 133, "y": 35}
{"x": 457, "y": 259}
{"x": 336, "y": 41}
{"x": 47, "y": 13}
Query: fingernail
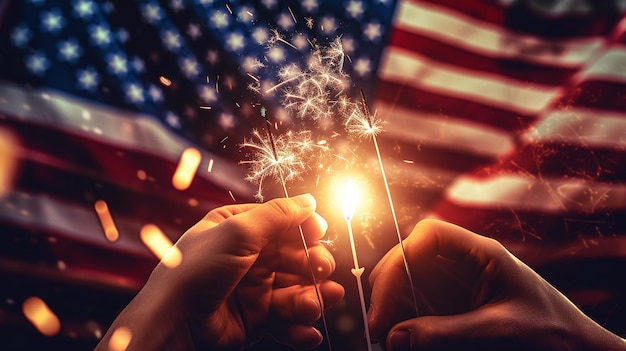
{"x": 305, "y": 200}
{"x": 400, "y": 340}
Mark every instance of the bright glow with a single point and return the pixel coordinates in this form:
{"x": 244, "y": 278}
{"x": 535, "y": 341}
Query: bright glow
{"x": 41, "y": 316}
{"x": 108, "y": 226}
{"x": 120, "y": 339}
{"x": 350, "y": 199}
{"x": 8, "y": 159}
{"x": 187, "y": 167}
{"x": 161, "y": 246}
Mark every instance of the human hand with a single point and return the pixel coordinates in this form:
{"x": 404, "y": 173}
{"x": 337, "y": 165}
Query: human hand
{"x": 244, "y": 273}
{"x": 473, "y": 295}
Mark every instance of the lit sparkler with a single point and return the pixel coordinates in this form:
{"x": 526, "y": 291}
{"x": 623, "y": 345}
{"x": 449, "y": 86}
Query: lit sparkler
{"x": 365, "y": 124}
{"x": 349, "y": 206}
{"x": 282, "y": 159}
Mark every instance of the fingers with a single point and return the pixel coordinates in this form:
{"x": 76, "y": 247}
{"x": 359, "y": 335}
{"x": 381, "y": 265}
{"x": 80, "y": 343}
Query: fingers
{"x": 298, "y": 304}
{"x": 445, "y": 262}
{"x": 488, "y": 326}
{"x": 296, "y": 308}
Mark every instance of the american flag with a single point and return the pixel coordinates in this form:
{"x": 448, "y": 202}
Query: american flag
{"x": 505, "y": 117}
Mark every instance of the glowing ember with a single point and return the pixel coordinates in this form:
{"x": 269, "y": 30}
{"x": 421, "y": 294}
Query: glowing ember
{"x": 120, "y": 339}
{"x": 106, "y": 220}
{"x": 41, "y": 316}
{"x": 161, "y": 246}
{"x": 187, "y": 167}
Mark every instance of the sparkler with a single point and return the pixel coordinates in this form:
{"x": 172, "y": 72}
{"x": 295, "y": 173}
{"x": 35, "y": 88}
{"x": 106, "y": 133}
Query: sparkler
{"x": 282, "y": 159}
{"x": 349, "y": 206}
{"x": 364, "y": 124}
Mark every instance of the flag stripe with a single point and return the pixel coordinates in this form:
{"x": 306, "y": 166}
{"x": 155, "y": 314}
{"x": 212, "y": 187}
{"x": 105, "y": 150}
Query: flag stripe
{"x": 409, "y": 68}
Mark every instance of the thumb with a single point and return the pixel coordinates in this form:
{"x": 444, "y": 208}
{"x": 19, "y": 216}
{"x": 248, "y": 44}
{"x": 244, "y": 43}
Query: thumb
{"x": 475, "y": 330}
{"x": 270, "y": 221}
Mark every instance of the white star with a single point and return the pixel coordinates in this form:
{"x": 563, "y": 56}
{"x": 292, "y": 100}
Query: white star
{"x": 268, "y": 3}
{"x": 37, "y": 63}
{"x": 177, "y": 5}
{"x": 251, "y": 64}
{"x": 219, "y": 19}
{"x": 193, "y": 30}
{"x": 171, "y": 40}
{"x": 276, "y": 54}
{"x": 138, "y": 65}
{"x": 300, "y": 42}
{"x": 246, "y": 14}
{"x": 52, "y": 21}
{"x": 260, "y": 34}
{"x": 226, "y": 121}
{"x": 204, "y": 2}
{"x": 117, "y": 64}
{"x": 328, "y": 25}
{"x": 310, "y": 5}
{"x": 155, "y": 93}
{"x": 372, "y": 31}
{"x": 355, "y": 9}
{"x": 363, "y": 66}
{"x": 207, "y": 94}
{"x": 69, "y": 50}
{"x": 347, "y": 43}
{"x": 83, "y": 8}
{"x": 189, "y": 67}
{"x": 100, "y": 34}
{"x": 152, "y": 12}
{"x": 20, "y": 36}
{"x": 172, "y": 119}
{"x": 122, "y": 35}
{"x": 87, "y": 79}
{"x": 285, "y": 21}
{"x": 134, "y": 93}
{"x": 235, "y": 41}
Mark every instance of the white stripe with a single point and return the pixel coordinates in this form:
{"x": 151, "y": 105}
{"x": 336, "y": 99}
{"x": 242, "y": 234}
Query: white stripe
{"x": 585, "y": 127}
{"x": 487, "y": 39}
{"x": 555, "y": 195}
{"x": 421, "y": 128}
{"x": 407, "y": 68}
{"x": 121, "y": 129}
{"x": 611, "y": 66}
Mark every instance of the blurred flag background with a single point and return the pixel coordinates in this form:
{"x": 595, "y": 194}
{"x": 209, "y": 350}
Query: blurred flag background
{"x": 503, "y": 116}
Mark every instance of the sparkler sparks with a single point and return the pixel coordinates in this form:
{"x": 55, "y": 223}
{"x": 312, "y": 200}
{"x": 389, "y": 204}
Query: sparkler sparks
{"x": 280, "y": 158}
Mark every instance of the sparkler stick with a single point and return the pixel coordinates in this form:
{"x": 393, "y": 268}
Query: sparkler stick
{"x": 368, "y": 116}
{"x": 278, "y": 166}
{"x": 349, "y": 206}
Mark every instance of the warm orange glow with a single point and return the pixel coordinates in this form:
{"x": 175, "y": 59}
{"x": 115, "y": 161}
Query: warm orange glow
{"x": 41, "y": 316}
{"x": 141, "y": 174}
{"x": 349, "y": 199}
{"x": 8, "y": 160}
{"x": 161, "y": 246}
{"x": 110, "y": 231}
{"x": 165, "y": 81}
{"x": 120, "y": 339}
{"x": 187, "y": 167}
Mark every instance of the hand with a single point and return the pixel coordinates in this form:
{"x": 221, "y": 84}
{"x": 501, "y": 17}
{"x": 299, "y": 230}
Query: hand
{"x": 244, "y": 273}
{"x": 473, "y": 295}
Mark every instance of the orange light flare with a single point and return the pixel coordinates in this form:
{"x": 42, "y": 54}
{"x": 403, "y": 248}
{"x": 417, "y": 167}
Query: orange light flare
{"x": 41, "y": 316}
{"x": 161, "y": 246}
{"x": 9, "y": 148}
{"x": 120, "y": 339}
{"x": 165, "y": 81}
{"x": 106, "y": 220}
{"x": 186, "y": 170}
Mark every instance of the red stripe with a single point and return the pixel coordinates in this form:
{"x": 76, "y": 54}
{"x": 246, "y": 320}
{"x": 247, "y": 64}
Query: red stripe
{"x": 420, "y": 100}
{"x": 522, "y": 18}
{"x": 562, "y": 159}
{"x": 505, "y": 67}
{"x": 601, "y": 95}
{"x": 519, "y": 225}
